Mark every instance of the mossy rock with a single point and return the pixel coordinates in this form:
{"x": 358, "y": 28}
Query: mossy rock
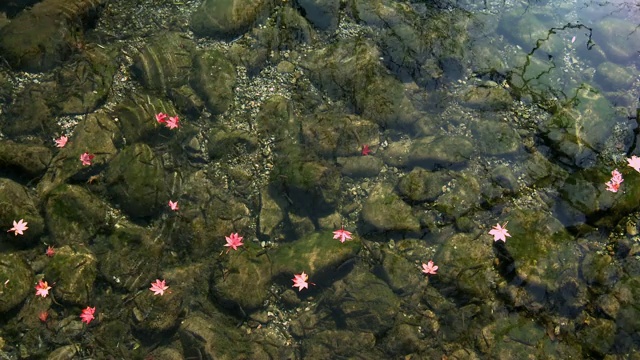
{"x": 335, "y": 134}
{"x": 313, "y": 185}
{"x": 18, "y": 281}
{"x": 136, "y": 180}
{"x": 138, "y": 122}
{"x": 164, "y": 61}
{"x": 96, "y": 134}
{"x": 384, "y": 210}
{"x": 366, "y": 302}
{"x": 245, "y": 280}
{"x": 18, "y": 203}
{"x": 85, "y": 83}
{"x": 422, "y": 185}
{"x": 466, "y": 264}
{"x": 31, "y": 160}
{"x": 213, "y": 77}
{"x": 74, "y": 215}
{"x": 441, "y": 151}
{"x": 227, "y": 19}
{"x": 496, "y": 138}
{"x": 313, "y": 253}
{"x": 128, "y": 257}
{"x": 73, "y": 271}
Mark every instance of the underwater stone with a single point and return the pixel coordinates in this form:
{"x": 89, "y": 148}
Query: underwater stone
{"x": 136, "y": 180}
{"x": 442, "y": 151}
{"x": 227, "y": 18}
{"x": 385, "y": 211}
{"x": 323, "y": 14}
{"x": 74, "y": 214}
{"x": 31, "y": 160}
{"x": 164, "y": 62}
{"x": 19, "y": 203}
{"x": 18, "y": 280}
{"x": 213, "y": 77}
{"x": 74, "y": 271}
{"x": 43, "y": 36}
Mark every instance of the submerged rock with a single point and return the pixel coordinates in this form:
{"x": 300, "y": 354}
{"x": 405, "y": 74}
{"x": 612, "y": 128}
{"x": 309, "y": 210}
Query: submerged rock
{"x": 19, "y": 203}
{"x": 18, "y": 280}
{"x": 43, "y": 36}
{"x": 136, "y": 180}
{"x": 74, "y": 271}
{"x": 385, "y": 211}
{"x": 213, "y": 77}
{"x": 227, "y": 18}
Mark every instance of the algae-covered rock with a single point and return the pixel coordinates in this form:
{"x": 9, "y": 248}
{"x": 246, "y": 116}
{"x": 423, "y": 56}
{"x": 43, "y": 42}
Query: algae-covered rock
{"x": 95, "y": 134}
{"x": 74, "y": 215}
{"x": 137, "y": 119}
{"x": 422, "y": 185}
{"x": 585, "y": 191}
{"x": 598, "y": 335}
{"x": 496, "y": 138}
{"x": 360, "y": 166}
{"x": 43, "y": 36}
{"x": 441, "y": 151}
{"x": 26, "y": 158}
{"x": 365, "y": 302}
{"x": 384, "y": 210}
{"x": 128, "y": 257}
{"x": 86, "y": 82}
{"x": 462, "y": 195}
{"x": 351, "y": 69}
{"x": 580, "y": 129}
{"x": 214, "y": 336}
{"x": 316, "y": 254}
{"x": 164, "y": 62}
{"x": 18, "y": 280}
{"x": 323, "y": 14}
{"x": 465, "y": 264}
{"x": 335, "y": 134}
{"x": 213, "y": 77}
{"x": 341, "y": 343}
{"x": 136, "y": 180}
{"x": 487, "y": 98}
{"x": 19, "y": 203}
{"x": 227, "y": 18}
{"x": 311, "y": 183}
{"x": 153, "y": 314}
{"x": 74, "y": 271}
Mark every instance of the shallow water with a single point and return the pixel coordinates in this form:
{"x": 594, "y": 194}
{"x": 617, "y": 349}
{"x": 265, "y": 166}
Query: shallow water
{"x": 474, "y": 113}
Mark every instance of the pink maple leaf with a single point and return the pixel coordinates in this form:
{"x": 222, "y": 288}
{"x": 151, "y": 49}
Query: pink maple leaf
{"x": 613, "y": 185}
{"x": 50, "y": 251}
{"x": 365, "y": 150}
{"x": 87, "y": 314}
{"x": 634, "y": 162}
{"x": 86, "y": 158}
{"x": 342, "y": 235}
{"x": 173, "y": 205}
{"x": 233, "y": 241}
{"x": 158, "y": 287}
{"x": 43, "y": 316}
{"x": 161, "y": 117}
{"x": 429, "y": 268}
{"x": 172, "y": 123}
{"x": 499, "y": 233}
{"x": 42, "y": 289}
{"x": 18, "y": 227}
{"x": 300, "y": 281}
{"x": 61, "y": 141}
